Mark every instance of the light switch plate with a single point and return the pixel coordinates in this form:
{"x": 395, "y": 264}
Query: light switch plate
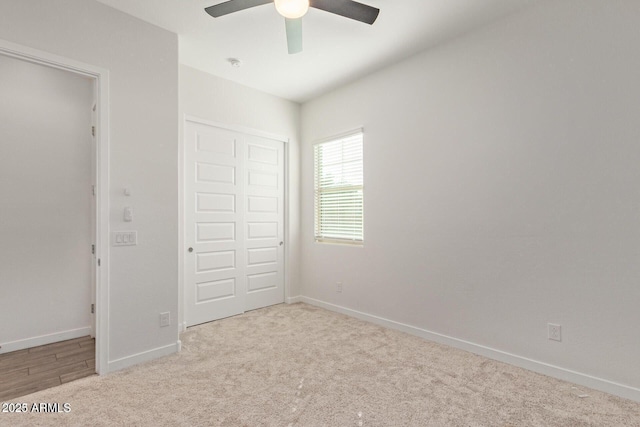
{"x": 124, "y": 238}
{"x": 128, "y": 214}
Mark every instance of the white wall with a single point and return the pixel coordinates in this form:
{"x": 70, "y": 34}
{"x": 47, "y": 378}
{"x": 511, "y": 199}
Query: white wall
{"x": 45, "y": 181}
{"x": 142, "y": 62}
{"x": 212, "y": 98}
{"x": 501, "y": 191}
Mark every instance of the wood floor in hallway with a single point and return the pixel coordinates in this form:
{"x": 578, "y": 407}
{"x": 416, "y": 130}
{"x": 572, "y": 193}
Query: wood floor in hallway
{"x": 26, "y": 371}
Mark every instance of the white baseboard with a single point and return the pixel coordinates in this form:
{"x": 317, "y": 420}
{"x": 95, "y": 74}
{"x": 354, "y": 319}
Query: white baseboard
{"x": 579, "y": 378}
{"x": 293, "y": 300}
{"x": 145, "y": 356}
{"x": 44, "y": 339}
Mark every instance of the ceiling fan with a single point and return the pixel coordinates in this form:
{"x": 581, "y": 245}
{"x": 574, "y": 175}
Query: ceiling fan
{"x": 294, "y": 10}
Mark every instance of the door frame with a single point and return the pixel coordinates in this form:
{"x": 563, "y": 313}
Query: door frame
{"x": 100, "y": 77}
{"x": 182, "y": 324}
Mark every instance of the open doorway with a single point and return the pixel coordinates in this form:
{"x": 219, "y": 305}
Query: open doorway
{"x": 47, "y": 227}
{"x": 53, "y": 181}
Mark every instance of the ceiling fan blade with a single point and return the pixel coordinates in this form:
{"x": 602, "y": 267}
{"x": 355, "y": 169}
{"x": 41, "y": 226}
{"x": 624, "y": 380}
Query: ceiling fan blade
{"x": 349, "y": 9}
{"x": 231, "y": 6}
{"x": 294, "y": 35}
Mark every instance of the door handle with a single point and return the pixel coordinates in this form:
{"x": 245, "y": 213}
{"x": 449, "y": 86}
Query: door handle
{"x": 190, "y": 249}
{"x": 281, "y": 243}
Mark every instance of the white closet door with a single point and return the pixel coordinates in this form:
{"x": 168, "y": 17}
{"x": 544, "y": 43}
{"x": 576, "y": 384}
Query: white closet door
{"x": 264, "y": 160}
{"x": 234, "y": 204}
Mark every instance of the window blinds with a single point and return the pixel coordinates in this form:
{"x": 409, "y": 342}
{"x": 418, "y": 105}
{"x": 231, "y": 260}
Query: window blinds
{"x": 339, "y": 190}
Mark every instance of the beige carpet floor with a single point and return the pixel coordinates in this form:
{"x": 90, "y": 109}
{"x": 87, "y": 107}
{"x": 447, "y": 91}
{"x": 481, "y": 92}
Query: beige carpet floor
{"x": 298, "y": 365}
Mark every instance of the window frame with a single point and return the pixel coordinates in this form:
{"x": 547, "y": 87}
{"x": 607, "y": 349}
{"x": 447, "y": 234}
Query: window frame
{"x": 357, "y": 241}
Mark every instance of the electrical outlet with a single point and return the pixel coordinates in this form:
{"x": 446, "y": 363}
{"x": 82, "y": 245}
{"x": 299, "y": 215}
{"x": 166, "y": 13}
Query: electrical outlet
{"x": 165, "y": 319}
{"x": 339, "y": 287}
{"x": 555, "y": 332}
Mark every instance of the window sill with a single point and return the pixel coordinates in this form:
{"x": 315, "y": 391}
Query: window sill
{"x": 356, "y": 244}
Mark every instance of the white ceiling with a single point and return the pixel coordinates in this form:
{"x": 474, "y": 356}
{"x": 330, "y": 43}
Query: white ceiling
{"x": 336, "y": 49}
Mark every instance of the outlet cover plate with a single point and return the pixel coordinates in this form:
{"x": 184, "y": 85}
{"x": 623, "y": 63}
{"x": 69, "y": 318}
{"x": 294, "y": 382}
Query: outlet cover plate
{"x": 555, "y": 332}
{"x": 165, "y": 319}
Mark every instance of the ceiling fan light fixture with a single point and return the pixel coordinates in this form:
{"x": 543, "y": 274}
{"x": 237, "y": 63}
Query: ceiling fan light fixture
{"x": 292, "y": 9}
